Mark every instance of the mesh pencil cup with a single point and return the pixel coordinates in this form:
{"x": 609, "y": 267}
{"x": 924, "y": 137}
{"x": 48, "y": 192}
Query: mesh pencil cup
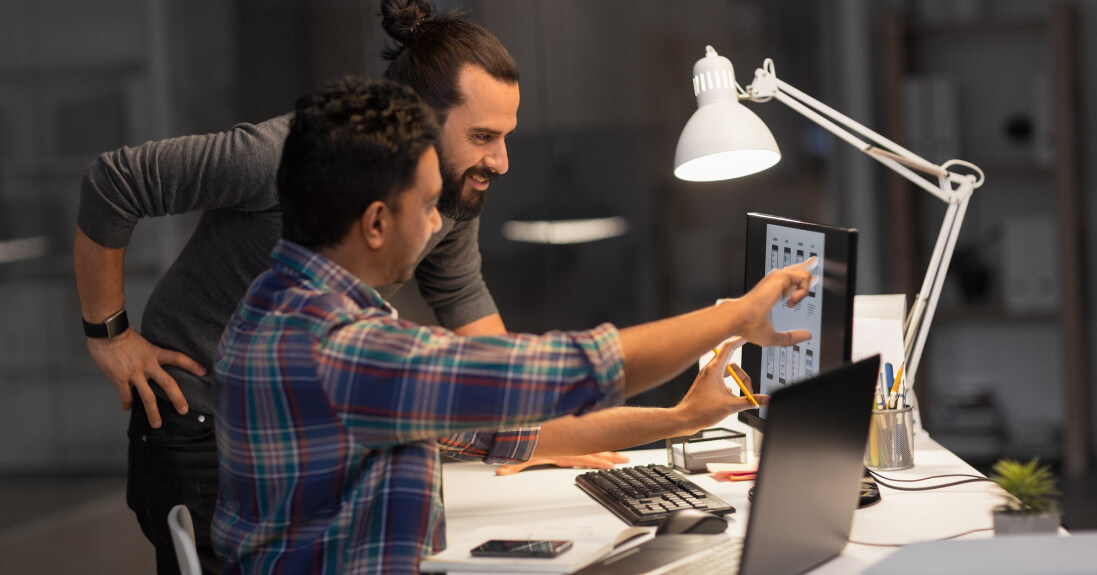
{"x": 890, "y": 440}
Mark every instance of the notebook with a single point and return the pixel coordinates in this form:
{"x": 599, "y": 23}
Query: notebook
{"x": 807, "y": 488}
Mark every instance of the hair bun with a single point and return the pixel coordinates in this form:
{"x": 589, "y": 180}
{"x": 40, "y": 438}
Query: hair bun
{"x": 402, "y": 19}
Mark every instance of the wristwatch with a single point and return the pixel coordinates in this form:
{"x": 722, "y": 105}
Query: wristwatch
{"x": 111, "y": 327}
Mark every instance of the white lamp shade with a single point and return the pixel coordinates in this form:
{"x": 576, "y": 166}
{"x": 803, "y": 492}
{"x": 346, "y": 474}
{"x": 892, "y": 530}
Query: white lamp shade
{"x": 724, "y": 140}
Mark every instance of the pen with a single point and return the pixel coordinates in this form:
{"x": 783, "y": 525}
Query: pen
{"x": 895, "y": 389}
{"x": 889, "y": 378}
{"x": 742, "y": 386}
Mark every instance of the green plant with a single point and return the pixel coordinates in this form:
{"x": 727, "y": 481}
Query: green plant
{"x": 1030, "y": 487}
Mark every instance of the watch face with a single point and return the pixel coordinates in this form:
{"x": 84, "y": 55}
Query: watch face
{"x": 117, "y": 324}
{"x": 113, "y": 327}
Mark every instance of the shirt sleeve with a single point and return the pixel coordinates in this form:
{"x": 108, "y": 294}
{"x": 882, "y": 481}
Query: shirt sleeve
{"x": 236, "y": 169}
{"x": 450, "y": 278}
{"x": 394, "y": 382}
{"x": 499, "y": 447}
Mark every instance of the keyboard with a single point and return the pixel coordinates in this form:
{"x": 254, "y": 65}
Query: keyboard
{"x": 644, "y": 494}
{"x": 721, "y": 559}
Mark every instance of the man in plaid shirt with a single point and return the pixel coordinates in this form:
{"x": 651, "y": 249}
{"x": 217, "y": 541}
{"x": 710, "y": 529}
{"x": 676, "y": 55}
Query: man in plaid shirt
{"x": 331, "y": 410}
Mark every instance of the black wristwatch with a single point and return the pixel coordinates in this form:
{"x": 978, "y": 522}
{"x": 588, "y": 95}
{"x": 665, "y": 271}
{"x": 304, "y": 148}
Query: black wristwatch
{"x": 111, "y": 327}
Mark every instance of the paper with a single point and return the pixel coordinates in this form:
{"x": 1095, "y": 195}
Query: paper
{"x": 732, "y": 467}
{"x": 878, "y": 336}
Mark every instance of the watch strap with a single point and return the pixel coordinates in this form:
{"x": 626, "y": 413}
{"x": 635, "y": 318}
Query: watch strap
{"x": 111, "y": 328}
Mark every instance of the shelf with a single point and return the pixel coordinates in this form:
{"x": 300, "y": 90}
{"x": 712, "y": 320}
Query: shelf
{"x": 1023, "y": 168}
{"x": 977, "y": 27}
{"x": 941, "y": 46}
{"x": 54, "y": 72}
{"x": 23, "y": 166}
{"x": 983, "y": 313}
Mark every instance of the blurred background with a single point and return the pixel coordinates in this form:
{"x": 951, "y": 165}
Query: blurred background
{"x": 606, "y": 90}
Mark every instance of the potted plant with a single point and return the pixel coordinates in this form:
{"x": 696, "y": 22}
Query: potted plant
{"x": 1030, "y": 493}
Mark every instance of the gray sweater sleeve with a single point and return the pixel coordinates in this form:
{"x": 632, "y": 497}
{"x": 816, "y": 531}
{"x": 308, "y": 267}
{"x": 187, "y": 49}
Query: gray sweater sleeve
{"x": 236, "y": 168}
{"x": 450, "y": 280}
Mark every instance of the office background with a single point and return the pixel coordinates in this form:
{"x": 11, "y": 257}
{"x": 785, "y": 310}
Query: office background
{"x": 605, "y": 91}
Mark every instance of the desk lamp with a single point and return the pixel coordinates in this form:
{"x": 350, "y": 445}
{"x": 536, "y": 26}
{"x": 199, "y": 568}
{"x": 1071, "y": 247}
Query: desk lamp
{"x": 723, "y": 139}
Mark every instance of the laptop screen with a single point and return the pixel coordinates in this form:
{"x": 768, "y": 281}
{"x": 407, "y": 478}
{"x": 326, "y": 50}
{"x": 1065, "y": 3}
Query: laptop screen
{"x": 809, "y": 471}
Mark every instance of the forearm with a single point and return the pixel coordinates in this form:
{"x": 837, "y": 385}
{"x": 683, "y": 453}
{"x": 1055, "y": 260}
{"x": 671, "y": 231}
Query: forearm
{"x": 657, "y": 351}
{"x": 99, "y": 278}
{"x": 508, "y": 446}
{"x": 611, "y": 429}
{"x": 490, "y": 325}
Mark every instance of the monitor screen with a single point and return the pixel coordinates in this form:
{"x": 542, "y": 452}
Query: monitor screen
{"x": 827, "y": 311}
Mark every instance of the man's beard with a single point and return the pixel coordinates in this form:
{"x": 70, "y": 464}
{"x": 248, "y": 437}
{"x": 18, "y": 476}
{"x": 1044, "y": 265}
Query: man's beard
{"x": 459, "y": 206}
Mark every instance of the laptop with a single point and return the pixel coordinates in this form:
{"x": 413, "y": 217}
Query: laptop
{"x": 807, "y": 488}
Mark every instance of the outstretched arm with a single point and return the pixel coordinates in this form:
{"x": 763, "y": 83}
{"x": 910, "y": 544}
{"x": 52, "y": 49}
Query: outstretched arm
{"x": 657, "y": 351}
{"x": 560, "y": 430}
{"x": 706, "y": 403}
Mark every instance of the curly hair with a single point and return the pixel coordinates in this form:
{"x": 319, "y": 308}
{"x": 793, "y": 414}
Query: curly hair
{"x": 352, "y": 142}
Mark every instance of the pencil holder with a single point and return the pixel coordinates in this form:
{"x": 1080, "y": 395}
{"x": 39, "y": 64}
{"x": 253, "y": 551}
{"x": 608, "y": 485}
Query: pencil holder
{"x": 891, "y": 440}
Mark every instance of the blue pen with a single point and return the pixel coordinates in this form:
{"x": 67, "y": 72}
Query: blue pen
{"x": 890, "y": 373}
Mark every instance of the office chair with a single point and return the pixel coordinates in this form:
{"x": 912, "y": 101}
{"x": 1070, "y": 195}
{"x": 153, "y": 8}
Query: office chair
{"x": 182, "y": 536}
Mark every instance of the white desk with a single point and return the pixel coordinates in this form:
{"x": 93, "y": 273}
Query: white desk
{"x": 546, "y": 502}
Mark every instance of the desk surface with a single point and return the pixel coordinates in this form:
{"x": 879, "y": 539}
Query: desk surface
{"x": 546, "y": 502}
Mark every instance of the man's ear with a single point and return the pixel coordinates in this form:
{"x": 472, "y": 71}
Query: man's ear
{"x": 376, "y": 224}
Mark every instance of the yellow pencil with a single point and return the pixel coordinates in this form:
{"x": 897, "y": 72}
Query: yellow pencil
{"x": 735, "y": 376}
{"x": 892, "y": 400}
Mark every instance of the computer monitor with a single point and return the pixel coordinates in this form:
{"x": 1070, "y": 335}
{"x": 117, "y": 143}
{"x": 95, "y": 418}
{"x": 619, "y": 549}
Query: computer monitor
{"x": 827, "y": 311}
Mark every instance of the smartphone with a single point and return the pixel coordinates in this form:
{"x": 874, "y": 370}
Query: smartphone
{"x": 520, "y": 548}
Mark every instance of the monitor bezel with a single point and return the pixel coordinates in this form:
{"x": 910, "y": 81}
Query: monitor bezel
{"x": 840, "y": 265}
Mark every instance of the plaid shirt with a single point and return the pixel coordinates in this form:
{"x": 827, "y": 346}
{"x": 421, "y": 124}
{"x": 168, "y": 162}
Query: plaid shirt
{"x": 331, "y": 413}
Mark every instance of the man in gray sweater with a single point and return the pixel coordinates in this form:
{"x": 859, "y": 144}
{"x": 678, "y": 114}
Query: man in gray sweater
{"x": 470, "y": 79}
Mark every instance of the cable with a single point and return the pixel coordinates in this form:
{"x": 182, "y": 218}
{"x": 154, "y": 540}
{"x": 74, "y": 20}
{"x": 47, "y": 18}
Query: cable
{"x": 943, "y": 485}
{"x": 927, "y": 541}
{"x": 972, "y": 479}
{"x": 878, "y": 476}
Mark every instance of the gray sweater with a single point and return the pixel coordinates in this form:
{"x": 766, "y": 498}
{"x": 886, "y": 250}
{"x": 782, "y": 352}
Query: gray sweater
{"x": 230, "y": 177}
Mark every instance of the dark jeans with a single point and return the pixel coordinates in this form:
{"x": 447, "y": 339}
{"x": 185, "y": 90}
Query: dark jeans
{"x": 174, "y": 464}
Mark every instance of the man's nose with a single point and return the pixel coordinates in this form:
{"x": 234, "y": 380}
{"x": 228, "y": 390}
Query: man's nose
{"x": 497, "y": 160}
{"x": 437, "y": 218}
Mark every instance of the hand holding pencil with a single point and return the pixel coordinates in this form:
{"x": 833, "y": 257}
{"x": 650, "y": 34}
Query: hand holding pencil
{"x": 710, "y": 400}
{"x": 742, "y": 386}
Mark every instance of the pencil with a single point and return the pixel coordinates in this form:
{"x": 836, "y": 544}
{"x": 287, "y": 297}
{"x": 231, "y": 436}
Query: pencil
{"x": 892, "y": 399}
{"x": 742, "y": 386}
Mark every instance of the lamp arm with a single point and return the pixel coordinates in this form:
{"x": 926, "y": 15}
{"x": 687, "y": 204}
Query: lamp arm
{"x": 953, "y": 188}
{"x": 767, "y": 86}
{"x": 925, "y": 302}
{"x": 886, "y": 158}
